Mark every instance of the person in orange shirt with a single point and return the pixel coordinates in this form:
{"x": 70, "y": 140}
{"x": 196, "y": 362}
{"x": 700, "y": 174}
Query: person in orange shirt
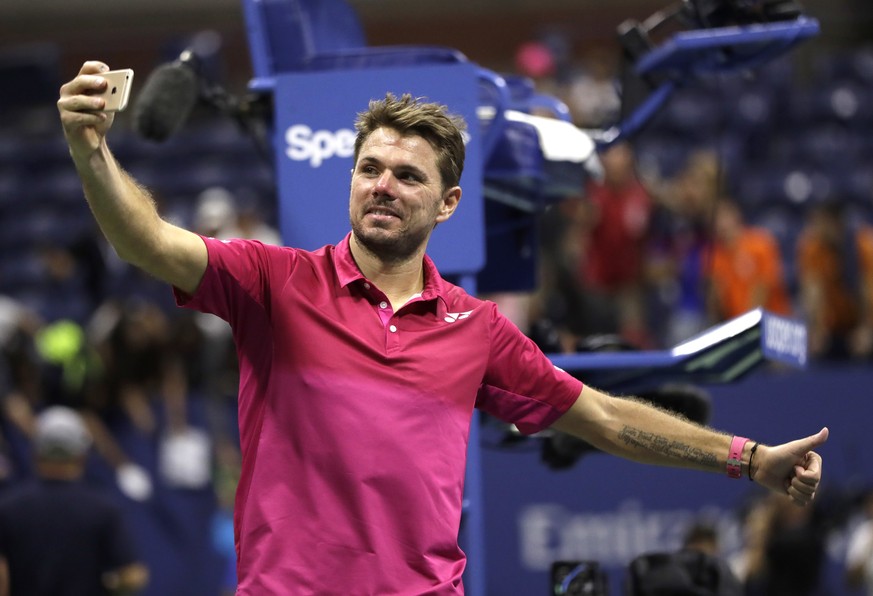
{"x": 743, "y": 266}
{"x": 835, "y": 271}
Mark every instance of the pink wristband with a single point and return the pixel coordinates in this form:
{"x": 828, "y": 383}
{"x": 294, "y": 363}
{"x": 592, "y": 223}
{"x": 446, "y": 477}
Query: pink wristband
{"x": 735, "y": 457}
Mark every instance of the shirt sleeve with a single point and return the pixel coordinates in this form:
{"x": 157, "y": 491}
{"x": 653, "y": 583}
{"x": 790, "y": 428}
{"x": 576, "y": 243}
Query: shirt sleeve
{"x": 237, "y": 275}
{"x": 521, "y": 385}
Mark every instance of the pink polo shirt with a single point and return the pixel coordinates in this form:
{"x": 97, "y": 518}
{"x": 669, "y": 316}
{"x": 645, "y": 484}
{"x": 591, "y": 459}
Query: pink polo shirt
{"x": 354, "y": 418}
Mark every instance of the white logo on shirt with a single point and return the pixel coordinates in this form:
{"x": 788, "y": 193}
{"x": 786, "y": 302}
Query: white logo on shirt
{"x": 451, "y": 317}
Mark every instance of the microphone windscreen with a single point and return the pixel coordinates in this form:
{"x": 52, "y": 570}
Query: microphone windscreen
{"x": 166, "y": 101}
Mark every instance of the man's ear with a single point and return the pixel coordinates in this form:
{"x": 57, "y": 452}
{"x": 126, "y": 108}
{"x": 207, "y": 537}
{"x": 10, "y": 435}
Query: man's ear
{"x": 451, "y": 198}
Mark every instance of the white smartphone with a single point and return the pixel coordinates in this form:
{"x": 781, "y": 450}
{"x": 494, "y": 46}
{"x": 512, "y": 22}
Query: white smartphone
{"x": 117, "y": 90}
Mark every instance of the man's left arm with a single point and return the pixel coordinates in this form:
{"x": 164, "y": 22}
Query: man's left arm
{"x": 639, "y": 431}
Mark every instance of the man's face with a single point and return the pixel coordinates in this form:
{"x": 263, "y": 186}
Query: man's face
{"x": 397, "y": 195}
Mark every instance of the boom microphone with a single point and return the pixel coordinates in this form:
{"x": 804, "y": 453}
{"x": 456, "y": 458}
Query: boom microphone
{"x": 167, "y": 99}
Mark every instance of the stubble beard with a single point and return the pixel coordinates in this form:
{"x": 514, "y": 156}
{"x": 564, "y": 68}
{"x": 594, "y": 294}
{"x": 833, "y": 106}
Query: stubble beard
{"x": 390, "y": 246}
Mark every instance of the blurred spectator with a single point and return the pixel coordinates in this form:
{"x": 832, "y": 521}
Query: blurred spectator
{"x": 593, "y": 96}
{"x": 150, "y": 363}
{"x": 72, "y": 374}
{"x": 70, "y": 369}
{"x": 835, "y": 270}
{"x": 215, "y": 214}
{"x": 784, "y": 552}
{"x": 140, "y": 364}
{"x": 702, "y": 537}
{"x": 227, "y": 470}
{"x": 749, "y": 560}
{"x": 535, "y": 59}
{"x": 251, "y": 224}
{"x": 219, "y": 215}
{"x": 547, "y": 62}
{"x": 562, "y": 312}
{"x": 744, "y": 267}
{"x": 612, "y": 262}
{"x": 859, "y": 555}
{"x": 680, "y": 232}
{"x": 19, "y": 381}
{"x": 696, "y": 569}
{"x": 58, "y": 535}
{"x": 66, "y": 284}
{"x": 77, "y": 271}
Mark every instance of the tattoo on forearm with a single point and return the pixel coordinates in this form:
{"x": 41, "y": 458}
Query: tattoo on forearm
{"x": 640, "y": 439}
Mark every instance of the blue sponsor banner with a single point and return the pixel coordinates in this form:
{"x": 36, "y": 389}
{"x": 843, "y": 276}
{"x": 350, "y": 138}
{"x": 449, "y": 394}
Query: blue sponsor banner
{"x": 784, "y": 340}
{"x": 314, "y": 143}
{"x": 610, "y": 510}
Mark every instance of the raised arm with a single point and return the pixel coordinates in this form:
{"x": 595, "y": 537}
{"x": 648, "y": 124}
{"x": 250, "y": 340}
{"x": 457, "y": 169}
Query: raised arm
{"x": 641, "y": 432}
{"x": 123, "y": 209}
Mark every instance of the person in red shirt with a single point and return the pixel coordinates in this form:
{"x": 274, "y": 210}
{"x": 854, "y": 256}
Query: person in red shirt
{"x": 360, "y": 366}
{"x": 744, "y": 267}
{"x": 616, "y": 245}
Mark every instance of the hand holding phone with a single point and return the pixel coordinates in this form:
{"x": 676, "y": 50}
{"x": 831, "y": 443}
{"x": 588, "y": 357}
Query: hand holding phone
{"x": 117, "y": 92}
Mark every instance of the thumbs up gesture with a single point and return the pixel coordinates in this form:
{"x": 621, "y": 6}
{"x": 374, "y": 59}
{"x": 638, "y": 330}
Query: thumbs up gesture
{"x": 792, "y": 468}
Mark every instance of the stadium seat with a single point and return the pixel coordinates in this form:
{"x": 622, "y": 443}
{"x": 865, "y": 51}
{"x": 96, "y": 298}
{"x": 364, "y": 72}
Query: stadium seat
{"x": 855, "y": 65}
{"x": 825, "y": 143}
{"x": 20, "y": 271}
{"x": 660, "y": 152}
{"x": 10, "y": 187}
{"x": 693, "y": 112}
{"x": 299, "y": 35}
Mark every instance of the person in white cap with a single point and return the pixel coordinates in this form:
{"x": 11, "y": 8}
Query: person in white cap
{"x": 58, "y": 535}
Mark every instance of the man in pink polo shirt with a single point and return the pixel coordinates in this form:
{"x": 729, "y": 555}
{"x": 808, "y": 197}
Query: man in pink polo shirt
{"x": 360, "y": 367}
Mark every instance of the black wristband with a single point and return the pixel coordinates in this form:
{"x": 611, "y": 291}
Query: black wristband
{"x": 751, "y": 456}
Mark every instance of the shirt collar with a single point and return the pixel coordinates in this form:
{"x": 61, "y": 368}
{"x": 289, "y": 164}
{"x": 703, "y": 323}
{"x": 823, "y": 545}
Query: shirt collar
{"x": 347, "y": 272}
{"x": 346, "y": 269}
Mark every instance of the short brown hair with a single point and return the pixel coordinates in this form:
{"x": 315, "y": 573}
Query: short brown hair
{"x": 415, "y": 116}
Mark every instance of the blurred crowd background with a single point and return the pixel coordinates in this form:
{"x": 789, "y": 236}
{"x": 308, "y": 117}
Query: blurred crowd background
{"x": 745, "y": 191}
